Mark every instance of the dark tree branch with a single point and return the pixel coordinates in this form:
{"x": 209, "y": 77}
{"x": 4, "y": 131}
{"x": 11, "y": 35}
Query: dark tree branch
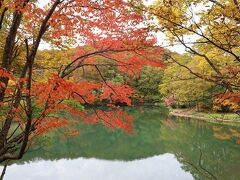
{"x": 204, "y": 36}
{"x": 199, "y": 54}
{"x": 85, "y": 56}
{"x": 192, "y": 72}
{"x": 217, "y": 3}
{"x": 104, "y": 79}
{"x": 2, "y": 16}
{"x": 4, "y": 171}
{"x": 23, "y": 138}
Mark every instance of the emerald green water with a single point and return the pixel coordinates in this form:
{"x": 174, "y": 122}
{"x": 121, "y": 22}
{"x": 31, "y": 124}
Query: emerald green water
{"x": 160, "y": 147}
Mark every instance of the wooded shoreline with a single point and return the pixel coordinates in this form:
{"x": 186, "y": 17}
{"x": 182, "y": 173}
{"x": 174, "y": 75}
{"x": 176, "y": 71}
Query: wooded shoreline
{"x": 202, "y": 116}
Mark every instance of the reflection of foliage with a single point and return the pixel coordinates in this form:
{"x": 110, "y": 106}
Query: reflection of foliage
{"x": 227, "y": 134}
{"x": 97, "y": 141}
{"x": 190, "y": 137}
{"x": 155, "y": 133}
{"x": 200, "y": 169}
{"x": 110, "y": 117}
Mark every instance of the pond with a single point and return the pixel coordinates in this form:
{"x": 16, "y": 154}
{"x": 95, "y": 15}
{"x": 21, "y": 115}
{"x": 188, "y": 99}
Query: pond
{"x": 161, "y": 147}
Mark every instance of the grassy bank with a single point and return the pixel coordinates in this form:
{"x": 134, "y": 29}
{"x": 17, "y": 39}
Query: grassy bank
{"x": 206, "y": 116}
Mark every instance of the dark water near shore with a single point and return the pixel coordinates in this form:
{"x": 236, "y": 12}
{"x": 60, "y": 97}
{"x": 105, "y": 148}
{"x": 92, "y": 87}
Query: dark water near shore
{"x": 161, "y": 147}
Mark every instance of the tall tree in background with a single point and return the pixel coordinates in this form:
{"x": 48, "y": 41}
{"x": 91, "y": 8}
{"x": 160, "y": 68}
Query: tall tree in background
{"x": 111, "y": 29}
{"x": 209, "y": 31}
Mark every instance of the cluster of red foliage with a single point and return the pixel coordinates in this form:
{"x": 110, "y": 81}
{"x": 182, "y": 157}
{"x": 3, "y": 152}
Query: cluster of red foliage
{"x": 112, "y": 29}
{"x": 52, "y": 94}
{"x": 112, "y": 118}
{"x": 170, "y": 100}
{"x": 230, "y": 99}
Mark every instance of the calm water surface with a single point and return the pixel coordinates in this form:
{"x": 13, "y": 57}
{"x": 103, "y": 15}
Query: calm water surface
{"x": 161, "y": 148}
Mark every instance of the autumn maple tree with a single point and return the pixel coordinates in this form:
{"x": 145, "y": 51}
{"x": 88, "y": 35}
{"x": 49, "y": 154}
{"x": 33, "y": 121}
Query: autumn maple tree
{"x": 110, "y": 29}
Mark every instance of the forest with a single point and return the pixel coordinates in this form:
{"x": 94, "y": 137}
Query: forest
{"x": 68, "y": 62}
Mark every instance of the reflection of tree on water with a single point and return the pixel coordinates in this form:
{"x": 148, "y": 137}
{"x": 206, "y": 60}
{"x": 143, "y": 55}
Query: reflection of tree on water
{"x": 200, "y": 169}
{"x": 169, "y": 123}
{"x": 4, "y": 170}
{"x": 227, "y": 133}
{"x": 100, "y": 142}
{"x": 193, "y": 144}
